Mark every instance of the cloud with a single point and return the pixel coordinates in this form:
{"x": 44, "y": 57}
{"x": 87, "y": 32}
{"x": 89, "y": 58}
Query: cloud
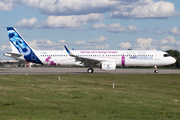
{"x": 6, "y": 48}
{"x": 27, "y": 23}
{"x": 46, "y": 44}
{"x": 166, "y": 43}
{"x": 34, "y": 44}
{"x": 169, "y": 40}
{"x": 68, "y": 22}
{"x": 81, "y": 43}
{"x": 144, "y": 44}
{"x": 93, "y": 42}
{"x": 62, "y": 7}
{"x": 99, "y": 40}
{"x": 73, "y": 21}
{"x": 126, "y": 9}
{"x": 71, "y": 7}
{"x": 140, "y": 44}
{"x": 115, "y": 28}
{"x": 149, "y": 9}
{"x": 50, "y": 45}
{"x": 165, "y": 47}
{"x": 99, "y": 26}
{"x": 174, "y": 31}
{"x": 125, "y": 45}
{"x": 96, "y": 47}
{"x": 178, "y": 43}
{"x": 6, "y": 6}
{"x": 101, "y": 47}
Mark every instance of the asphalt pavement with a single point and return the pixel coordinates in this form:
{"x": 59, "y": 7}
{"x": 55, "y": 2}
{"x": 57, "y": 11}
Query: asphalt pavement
{"x": 82, "y": 70}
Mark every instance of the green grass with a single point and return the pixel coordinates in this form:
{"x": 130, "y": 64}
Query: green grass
{"x": 90, "y": 96}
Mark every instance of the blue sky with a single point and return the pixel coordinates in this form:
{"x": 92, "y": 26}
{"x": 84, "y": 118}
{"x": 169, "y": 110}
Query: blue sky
{"x": 92, "y": 24}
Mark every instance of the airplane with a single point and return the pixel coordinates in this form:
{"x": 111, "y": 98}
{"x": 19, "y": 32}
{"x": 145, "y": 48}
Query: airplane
{"x": 104, "y": 59}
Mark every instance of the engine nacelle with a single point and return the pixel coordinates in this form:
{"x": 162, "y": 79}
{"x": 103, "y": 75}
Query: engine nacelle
{"x": 108, "y": 66}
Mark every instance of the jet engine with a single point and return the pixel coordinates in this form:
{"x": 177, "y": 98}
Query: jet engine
{"x": 108, "y": 66}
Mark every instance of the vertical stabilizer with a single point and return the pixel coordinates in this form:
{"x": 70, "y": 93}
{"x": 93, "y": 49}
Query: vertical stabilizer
{"x": 18, "y": 44}
{"x": 13, "y": 48}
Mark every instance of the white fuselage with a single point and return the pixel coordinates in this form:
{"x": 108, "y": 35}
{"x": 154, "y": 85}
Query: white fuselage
{"x": 105, "y": 59}
{"x": 120, "y": 57}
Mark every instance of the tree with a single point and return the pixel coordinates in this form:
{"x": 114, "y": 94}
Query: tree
{"x": 176, "y": 55}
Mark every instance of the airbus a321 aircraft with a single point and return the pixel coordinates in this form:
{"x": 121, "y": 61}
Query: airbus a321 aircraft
{"x": 104, "y": 59}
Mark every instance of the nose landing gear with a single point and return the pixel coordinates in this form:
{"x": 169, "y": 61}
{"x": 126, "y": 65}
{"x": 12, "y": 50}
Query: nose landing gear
{"x": 155, "y": 71}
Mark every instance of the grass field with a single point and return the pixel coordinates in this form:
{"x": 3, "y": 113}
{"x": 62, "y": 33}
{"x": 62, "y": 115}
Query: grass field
{"x": 90, "y": 96}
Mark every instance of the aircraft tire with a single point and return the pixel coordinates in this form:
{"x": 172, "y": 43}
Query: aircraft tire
{"x": 90, "y": 70}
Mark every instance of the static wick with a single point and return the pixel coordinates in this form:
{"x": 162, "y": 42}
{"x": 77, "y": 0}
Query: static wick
{"x": 59, "y": 78}
{"x": 113, "y": 85}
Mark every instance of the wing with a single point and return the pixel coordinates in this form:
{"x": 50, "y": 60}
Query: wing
{"x": 84, "y": 60}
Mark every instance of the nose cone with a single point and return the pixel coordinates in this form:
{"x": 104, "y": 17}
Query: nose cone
{"x": 173, "y": 60}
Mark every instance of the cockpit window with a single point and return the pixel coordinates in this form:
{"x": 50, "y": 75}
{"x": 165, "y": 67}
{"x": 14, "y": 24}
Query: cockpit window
{"x": 166, "y": 55}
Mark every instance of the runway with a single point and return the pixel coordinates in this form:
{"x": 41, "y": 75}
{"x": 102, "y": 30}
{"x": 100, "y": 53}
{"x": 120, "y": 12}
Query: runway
{"x": 82, "y": 70}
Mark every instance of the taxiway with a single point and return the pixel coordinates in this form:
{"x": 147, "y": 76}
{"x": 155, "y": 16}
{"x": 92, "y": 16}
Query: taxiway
{"x": 81, "y": 70}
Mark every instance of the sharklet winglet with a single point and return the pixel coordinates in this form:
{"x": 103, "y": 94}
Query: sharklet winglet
{"x": 68, "y": 51}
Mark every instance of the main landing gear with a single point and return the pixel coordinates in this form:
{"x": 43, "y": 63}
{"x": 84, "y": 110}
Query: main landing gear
{"x": 90, "y": 70}
{"x": 155, "y": 71}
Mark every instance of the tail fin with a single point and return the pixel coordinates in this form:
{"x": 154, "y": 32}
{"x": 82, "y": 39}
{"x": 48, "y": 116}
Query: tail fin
{"x": 21, "y": 45}
{"x": 18, "y": 42}
{"x": 13, "y": 48}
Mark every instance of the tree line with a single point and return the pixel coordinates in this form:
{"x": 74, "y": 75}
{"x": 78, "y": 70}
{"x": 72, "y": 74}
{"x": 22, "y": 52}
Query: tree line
{"x": 176, "y": 55}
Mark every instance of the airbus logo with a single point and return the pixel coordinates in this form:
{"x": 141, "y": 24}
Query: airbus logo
{"x": 141, "y": 58}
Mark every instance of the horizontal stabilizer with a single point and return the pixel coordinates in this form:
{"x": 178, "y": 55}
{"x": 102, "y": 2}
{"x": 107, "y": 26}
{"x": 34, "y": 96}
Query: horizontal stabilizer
{"x": 14, "y": 55}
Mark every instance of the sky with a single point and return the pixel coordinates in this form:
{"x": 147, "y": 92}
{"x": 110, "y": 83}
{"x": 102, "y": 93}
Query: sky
{"x": 92, "y": 24}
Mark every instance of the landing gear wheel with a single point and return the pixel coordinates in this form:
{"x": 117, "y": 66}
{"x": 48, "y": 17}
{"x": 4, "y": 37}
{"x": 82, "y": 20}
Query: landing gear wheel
{"x": 90, "y": 70}
{"x": 155, "y": 71}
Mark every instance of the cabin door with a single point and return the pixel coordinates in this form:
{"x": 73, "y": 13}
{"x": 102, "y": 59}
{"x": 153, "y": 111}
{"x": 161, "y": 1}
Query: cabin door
{"x": 156, "y": 55}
